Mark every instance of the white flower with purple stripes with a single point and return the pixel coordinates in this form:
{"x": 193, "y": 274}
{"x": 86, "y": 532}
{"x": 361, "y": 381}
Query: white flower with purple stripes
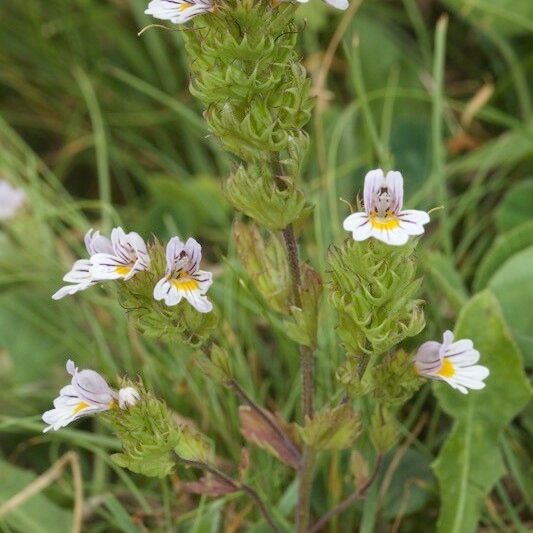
{"x": 183, "y": 277}
{"x": 452, "y": 362}
{"x": 120, "y": 257}
{"x": 178, "y": 11}
{"x": 383, "y": 218}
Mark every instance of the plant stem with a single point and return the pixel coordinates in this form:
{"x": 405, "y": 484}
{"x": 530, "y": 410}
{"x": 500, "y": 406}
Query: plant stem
{"x": 305, "y": 470}
{"x": 358, "y": 494}
{"x": 237, "y": 485}
{"x": 241, "y": 393}
{"x": 306, "y": 354}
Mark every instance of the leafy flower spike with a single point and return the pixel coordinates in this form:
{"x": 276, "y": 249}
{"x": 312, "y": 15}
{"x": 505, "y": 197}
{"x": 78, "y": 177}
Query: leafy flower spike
{"x": 178, "y": 11}
{"x": 383, "y": 218}
{"x": 11, "y": 200}
{"x": 339, "y": 4}
{"x": 120, "y": 257}
{"x": 453, "y": 362}
{"x": 183, "y": 277}
{"x": 87, "y": 393}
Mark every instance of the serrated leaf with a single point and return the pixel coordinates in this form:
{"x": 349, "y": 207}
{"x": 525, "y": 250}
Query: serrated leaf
{"x": 470, "y": 463}
{"x": 304, "y": 324}
{"x": 332, "y": 429}
{"x": 194, "y": 446}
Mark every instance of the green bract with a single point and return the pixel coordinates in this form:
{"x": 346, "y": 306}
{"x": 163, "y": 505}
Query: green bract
{"x": 246, "y": 72}
{"x": 373, "y": 287}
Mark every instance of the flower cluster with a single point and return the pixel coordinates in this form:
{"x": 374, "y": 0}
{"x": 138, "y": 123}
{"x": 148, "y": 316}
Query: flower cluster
{"x": 125, "y": 255}
{"x": 11, "y": 200}
{"x": 88, "y": 393}
{"x": 385, "y": 220}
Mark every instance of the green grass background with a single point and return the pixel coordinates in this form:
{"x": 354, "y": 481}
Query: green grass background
{"x": 96, "y": 123}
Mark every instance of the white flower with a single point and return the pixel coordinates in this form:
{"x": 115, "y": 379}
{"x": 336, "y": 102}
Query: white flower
{"x": 11, "y": 200}
{"x": 88, "y": 393}
{"x": 128, "y": 397}
{"x": 339, "y": 4}
{"x": 183, "y": 277}
{"x": 453, "y": 362}
{"x": 178, "y": 11}
{"x": 383, "y": 217}
{"x": 122, "y": 256}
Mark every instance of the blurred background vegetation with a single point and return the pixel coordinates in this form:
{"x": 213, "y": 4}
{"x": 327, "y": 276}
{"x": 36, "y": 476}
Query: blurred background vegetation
{"x": 97, "y": 125}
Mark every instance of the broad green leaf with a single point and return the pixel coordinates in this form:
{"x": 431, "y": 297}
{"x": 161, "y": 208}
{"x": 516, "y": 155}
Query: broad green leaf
{"x": 37, "y": 515}
{"x": 515, "y": 208}
{"x": 504, "y": 247}
{"x": 470, "y": 462}
{"x": 513, "y": 286}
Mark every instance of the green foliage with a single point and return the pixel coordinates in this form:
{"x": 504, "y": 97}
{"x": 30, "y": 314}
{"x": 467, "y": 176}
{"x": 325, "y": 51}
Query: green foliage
{"x": 246, "y": 72}
{"x": 254, "y": 191}
{"x": 303, "y": 328}
{"x": 513, "y": 286}
{"x": 332, "y": 429}
{"x": 216, "y": 366}
{"x": 177, "y": 324}
{"x": 503, "y": 248}
{"x": 265, "y": 261}
{"x": 37, "y": 515}
{"x": 470, "y": 462}
{"x": 373, "y": 288}
{"x": 395, "y": 380}
{"x": 515, "y": 208}
{"x": 383, "y": 430}
{"x": 148, "y": 434}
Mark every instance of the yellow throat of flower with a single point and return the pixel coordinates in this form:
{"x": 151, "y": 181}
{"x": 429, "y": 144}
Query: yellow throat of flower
{"x": 384, "y": 223}
{"x": 447, "y": 370}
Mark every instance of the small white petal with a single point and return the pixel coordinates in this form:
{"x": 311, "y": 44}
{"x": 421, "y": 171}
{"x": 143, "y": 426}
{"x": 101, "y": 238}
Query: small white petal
{"x": 412, "y": 221}
{"x": 11, "y": 200}
{"x": 69, "y": 290}
{"x": 198, "y": 301}
{"x": 339, "y": 4}
{"x": 394, "y": 237}
{"x": 164, "y": 290}
{"x": 359, "y": 225}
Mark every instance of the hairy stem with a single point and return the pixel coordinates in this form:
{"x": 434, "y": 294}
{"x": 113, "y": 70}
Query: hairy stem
{"x": 306, "y": 354}
{"x": 237, "y": 485}
{"x": 305, "y": 470}
{"x": 342, "y": 506}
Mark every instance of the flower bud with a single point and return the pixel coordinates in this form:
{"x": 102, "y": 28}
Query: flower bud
{"x": 128, "y": 397}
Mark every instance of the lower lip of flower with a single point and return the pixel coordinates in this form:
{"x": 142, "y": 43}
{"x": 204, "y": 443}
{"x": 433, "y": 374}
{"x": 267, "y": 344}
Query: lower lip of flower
{"x": 123, "y": 270}
{"x": 447, "y": 370}
{"x": 80, "y": 407}
{"x": 185, "y": 284}
{"x": 386, "y": 223}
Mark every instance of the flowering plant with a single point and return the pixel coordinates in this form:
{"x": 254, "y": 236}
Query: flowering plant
{"x": 284, "y": 383}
